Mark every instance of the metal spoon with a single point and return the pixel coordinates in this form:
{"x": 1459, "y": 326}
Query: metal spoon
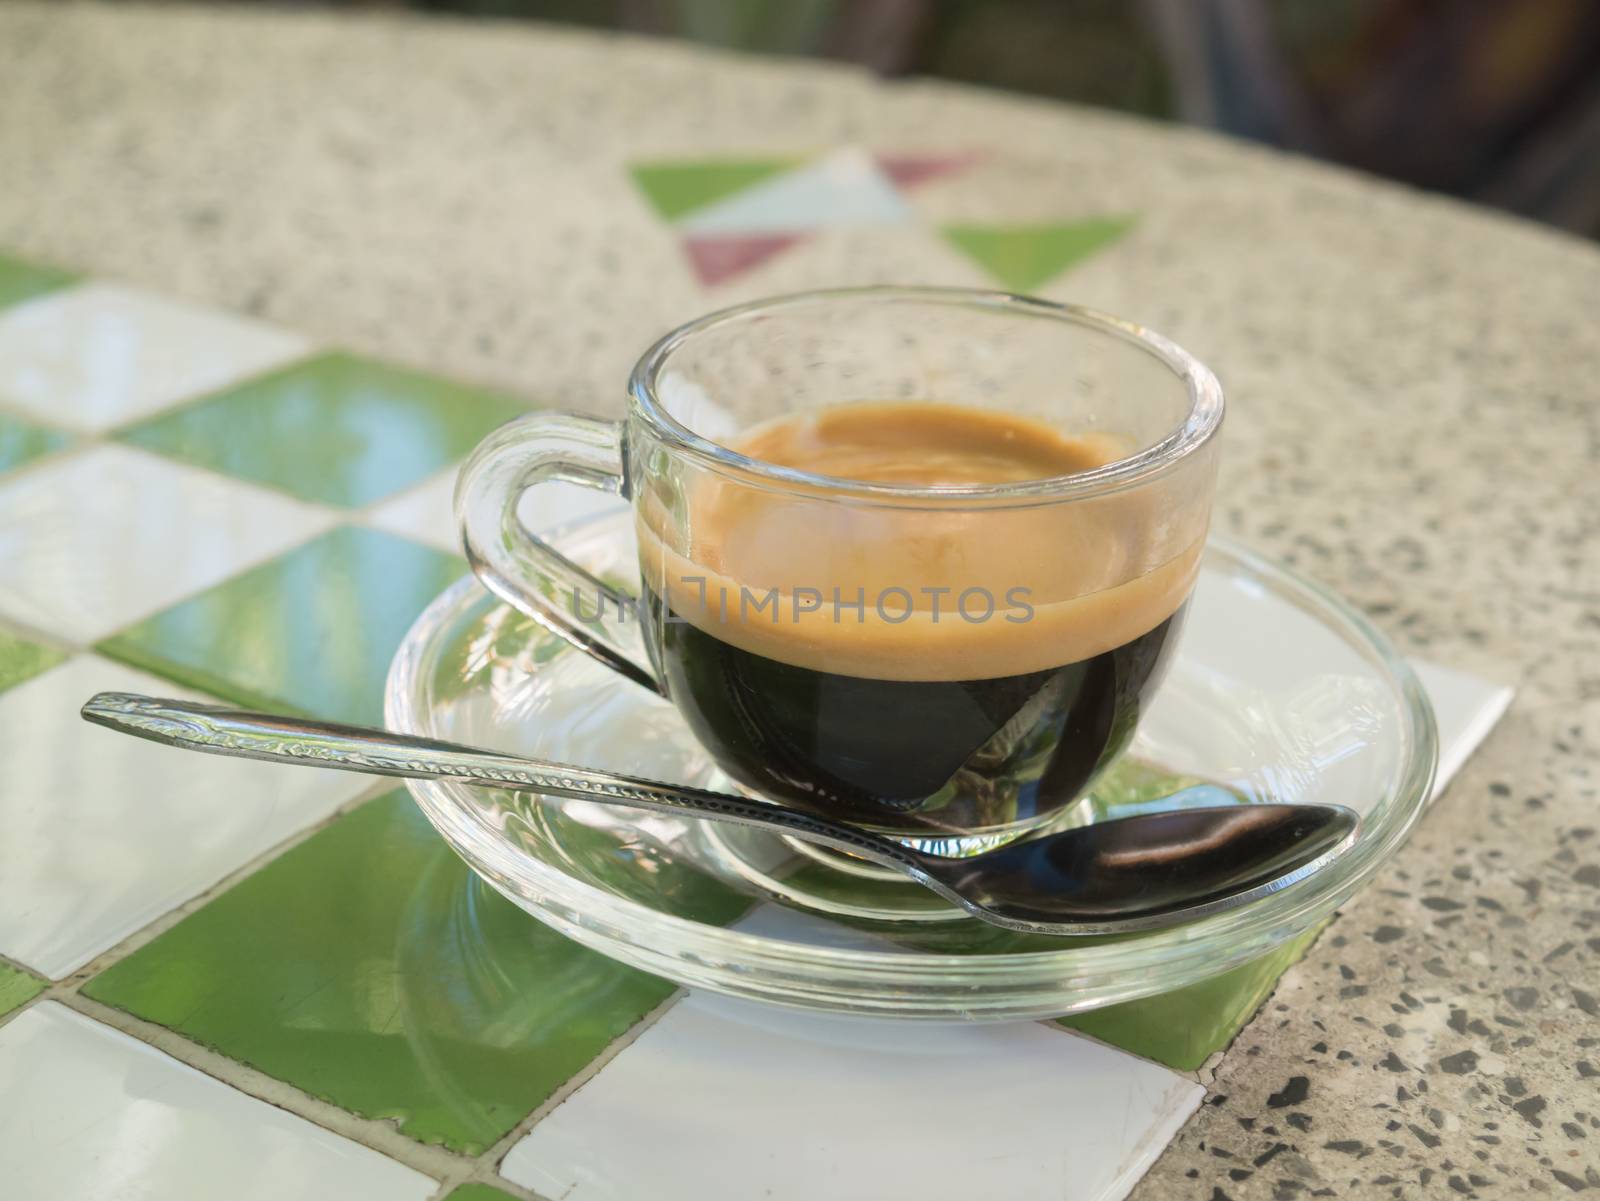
{"x": 1136, "y": 873}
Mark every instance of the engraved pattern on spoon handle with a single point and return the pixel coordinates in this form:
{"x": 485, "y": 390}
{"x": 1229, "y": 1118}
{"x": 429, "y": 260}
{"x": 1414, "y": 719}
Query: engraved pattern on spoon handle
{"x": 242, "y": 734}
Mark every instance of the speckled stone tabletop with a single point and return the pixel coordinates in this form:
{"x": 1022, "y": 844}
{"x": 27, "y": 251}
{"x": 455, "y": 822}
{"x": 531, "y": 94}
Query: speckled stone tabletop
{"x": 1415, "y": 422}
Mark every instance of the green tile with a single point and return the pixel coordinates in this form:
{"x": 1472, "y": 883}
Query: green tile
{"x": 676, "y": 188}
{"x": 478, "y": 1192}
{"x": 312, "y": 631}
{"x": 22, "y": 660}
{"x": 1024, "y": 257}
{"x": 370, "y": 968}
{"x": 22, "y": 440}
{"x": 336, "y": 429}
{"x": 17, "y": 987}
{"x": 1181, "y": 1028}
{"x": 21, "y": 280}
{"x": 1184, "y": 1027}
{"x": 1133, "y": 786}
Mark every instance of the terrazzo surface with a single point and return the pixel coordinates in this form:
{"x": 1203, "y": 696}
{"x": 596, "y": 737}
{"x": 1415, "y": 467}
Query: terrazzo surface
{"x": 1415, "y": 422}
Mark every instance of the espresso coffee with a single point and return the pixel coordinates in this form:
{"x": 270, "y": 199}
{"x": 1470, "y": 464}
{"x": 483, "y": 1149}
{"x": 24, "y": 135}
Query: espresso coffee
{"x": 910, "y": 667}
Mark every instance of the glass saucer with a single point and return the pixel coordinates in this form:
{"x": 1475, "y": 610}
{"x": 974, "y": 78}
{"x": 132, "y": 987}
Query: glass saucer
{"x": 1278, "y": 692}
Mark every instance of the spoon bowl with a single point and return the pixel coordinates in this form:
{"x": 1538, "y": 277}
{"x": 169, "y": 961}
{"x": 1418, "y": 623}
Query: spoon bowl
{"x": 1148, "y": 871}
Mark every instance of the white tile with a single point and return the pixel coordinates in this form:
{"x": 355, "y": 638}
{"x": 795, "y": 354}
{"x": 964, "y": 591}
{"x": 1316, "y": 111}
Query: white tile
{"x": 1466, "y": 707}
{"x": 801, "y": 1106}
{"x": 101, "y": 355}
{"x": 103, "y": 537}
{"x": 89, "y": 1114}
{"x": 104, "y": 832}
{"x": 846, "y": 187}
{"x": 780, "y": 923}
{"x": 422, "y": 513}
{"x": 1295, "y": 682}
{"x": 426, "y": 512}
{"x": 554, "y": 506}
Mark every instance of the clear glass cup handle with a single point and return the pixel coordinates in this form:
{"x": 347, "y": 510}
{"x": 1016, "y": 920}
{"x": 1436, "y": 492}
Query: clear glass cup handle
{"x": 521, "y": 568}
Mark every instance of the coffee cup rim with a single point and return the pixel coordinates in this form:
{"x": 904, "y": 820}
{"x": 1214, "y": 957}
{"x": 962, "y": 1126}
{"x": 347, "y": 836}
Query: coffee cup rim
{"x": 1201, "y": 423}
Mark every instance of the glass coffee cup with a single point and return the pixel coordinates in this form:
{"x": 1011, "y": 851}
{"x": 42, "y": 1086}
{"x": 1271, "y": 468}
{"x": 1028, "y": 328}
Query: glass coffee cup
{"x": 911, "y": 558}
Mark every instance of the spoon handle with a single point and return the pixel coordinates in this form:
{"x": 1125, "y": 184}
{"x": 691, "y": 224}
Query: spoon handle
{"x": 219, "y": 730}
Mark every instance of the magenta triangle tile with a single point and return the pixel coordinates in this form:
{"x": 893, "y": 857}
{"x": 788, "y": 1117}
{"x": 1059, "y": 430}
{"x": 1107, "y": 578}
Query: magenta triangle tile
{"x": 906, "y": 171}
{"x": 717, "y": 259}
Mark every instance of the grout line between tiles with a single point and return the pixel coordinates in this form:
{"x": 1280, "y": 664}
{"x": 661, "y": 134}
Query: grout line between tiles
{"x": 28, "y": 633}
{"x": 10, "y": 408}
{"x": 487, "y": 1176}
{"x": 312, "y": 350}
{"x": 434, "y": 1161}
{"x": 341, "y": 513}
{"x": 12, "y": 1014}
{"x": 42, "y": 995}
{"x": 328, "y": 517}
{"x": 69, "y": 984}
{"x": 448, "y": 1167}
{"x": 361, "y": 515}
{"x": 451, "y": 1169}
{"x": 491, "y": 1158}
{"x": 445, "y": 1185}
{"x": 485, "y": 1168}
{"x": 473, "y": 1174}
{"x": 80, "y": 445}
{"x": 384, "y": 1137}
{"x": 18, "y": 965}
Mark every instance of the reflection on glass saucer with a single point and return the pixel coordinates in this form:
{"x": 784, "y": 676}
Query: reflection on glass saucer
{"x": 1278, "y": 692}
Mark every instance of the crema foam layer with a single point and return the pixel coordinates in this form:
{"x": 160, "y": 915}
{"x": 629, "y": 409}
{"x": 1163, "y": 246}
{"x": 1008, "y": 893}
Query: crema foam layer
{"x": 885, "y": 591}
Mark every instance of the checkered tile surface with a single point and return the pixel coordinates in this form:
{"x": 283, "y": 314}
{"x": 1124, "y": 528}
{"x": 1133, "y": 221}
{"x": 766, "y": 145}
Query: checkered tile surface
{"x": 208, "y": 962}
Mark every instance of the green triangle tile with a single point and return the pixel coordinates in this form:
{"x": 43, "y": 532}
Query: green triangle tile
{"x": 675, "y": 188}
{"x": 22, "y": 660}
{"x": 478, "y": 1192}
{"x": 311, "y": 631}
{"x": 1024, "y": 257}
{"x": 22, "y": 440}
{"x": 17, "y": 987}
{"x": 338, "y": 429}
{"x": 368, "y": 967}
{"x": 1183, "y": 1028}
{"x": 20, "y": 280}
